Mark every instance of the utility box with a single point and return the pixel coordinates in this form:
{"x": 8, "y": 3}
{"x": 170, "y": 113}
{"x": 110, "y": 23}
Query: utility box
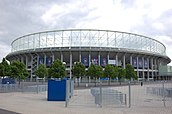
{"x": 59, "y": 90}
{"x": 56, "y": 90}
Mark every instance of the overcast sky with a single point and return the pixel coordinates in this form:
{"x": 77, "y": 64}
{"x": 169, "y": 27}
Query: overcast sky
{"x": 152, "y": 18}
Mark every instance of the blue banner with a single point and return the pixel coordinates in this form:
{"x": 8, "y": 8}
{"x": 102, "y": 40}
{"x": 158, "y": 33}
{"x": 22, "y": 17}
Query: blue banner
{"x": 48, "y": 61}
{"x": 146, "y": 63}
{"x": 103, "y": 61}
{"x": 95, "y": 61}
{"x": 41, "y": 60}
{"x": 85, "y": 61}
{"x": 134, "y": 62}
{"x": 140, "y": 64}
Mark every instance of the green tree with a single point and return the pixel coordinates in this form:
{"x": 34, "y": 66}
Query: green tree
{"x": 87, "y": 75}
{"x": 110, "y": 72}
{"x": 57, "y": 69}
{"x": 4, "y": 68}
{"x": 115, "y": 72}
{"x": 95, "y": 71}
{"x": 2, "y": 74}
{"x": 42, "y": 71}
{"x": 92, "y": 71}
{"x": 99, "y": 71}
{"x": 18, "y": 70}
{"x": 78, "y": 70}
{"x": 130, "y": 73}
{"x": 121, "y": 74}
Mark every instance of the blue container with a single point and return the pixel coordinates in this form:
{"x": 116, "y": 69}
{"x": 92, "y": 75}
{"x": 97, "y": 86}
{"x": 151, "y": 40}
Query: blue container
{"x": 56, "y": 90}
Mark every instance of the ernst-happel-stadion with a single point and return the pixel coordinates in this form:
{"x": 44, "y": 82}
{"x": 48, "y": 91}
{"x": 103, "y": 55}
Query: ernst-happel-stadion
{"x": 100, "y": 47}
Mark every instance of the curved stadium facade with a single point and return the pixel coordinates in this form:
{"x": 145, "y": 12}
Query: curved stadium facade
{"x": 99, "y": 47}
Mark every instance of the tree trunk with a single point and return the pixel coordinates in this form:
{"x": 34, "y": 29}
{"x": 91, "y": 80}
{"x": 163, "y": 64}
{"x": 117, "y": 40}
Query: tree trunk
{"x": 78, "y": 81}
{"x": 119, "y": 81}
{"x": 109, "y": 81}
{"x": 95, "y": 82}
{"x": 19, "y": 81}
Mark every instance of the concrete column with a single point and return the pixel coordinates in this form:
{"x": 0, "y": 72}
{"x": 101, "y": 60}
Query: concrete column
{"x": 108, "y": 58}
{"x": 99, "y": 58}
{"x": 143, "y": 67}
{"x": 70, "y": 65}
{"x": 137, "y": 66}
{"x": 31, "y": 67}
{"x": 124, "y": 61}
{"x": 148, "y": 68}
{"x": 151, "y": 63}
{"x": 131, "y": 60}
{"x": 45, "y": 57}
{"x": 61, "y": 54}
{"x": 89, "y": 57}
{"x": 152, "y": 69}
{"x": 52, "y": 57}
{"x": 155, "y": 67}
{"x": 116, "y": 59}
{"x": 80, "y": 57}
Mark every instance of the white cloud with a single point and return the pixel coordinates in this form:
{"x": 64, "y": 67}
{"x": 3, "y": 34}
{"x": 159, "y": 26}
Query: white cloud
{"x": 55, "y": 10}
{"x": 112, "y": 16}
{"x": 154, "y": 8}
{"x": 158, "y": 25}
{"x": 4, "y": 50}
{"x": 147, "y": 17}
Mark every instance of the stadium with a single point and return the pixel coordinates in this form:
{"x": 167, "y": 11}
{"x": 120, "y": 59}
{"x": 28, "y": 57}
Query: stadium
{"x": 99, "y": 47}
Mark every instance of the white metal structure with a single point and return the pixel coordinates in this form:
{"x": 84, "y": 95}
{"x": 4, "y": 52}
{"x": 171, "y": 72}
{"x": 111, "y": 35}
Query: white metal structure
{"x": 88, "y": 38}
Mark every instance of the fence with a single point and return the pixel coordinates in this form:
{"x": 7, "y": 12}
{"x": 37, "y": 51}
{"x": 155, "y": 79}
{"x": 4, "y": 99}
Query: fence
{"x": 150, "y": 94}
{"x": 155, "y": 94}
{"x": 106, "y": 96}
{"x": 22, "y": 88}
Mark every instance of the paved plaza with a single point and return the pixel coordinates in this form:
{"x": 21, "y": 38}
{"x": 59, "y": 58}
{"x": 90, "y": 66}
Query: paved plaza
{"x": 82, "y": 102}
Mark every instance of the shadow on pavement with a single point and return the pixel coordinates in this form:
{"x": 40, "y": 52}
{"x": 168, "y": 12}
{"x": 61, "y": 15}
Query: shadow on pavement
{"x": 2, "y": 111}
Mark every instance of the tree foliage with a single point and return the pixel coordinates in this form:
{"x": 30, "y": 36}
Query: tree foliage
{"x": 57, "y": 69}
{"x": 18, "y": 70}
{"x": 92, "y": 71}
{"x": 110, "y": 72}
{"x": 121, "y": 74}
{"x": 4, "y": 68}
{"x": 95, "y": 72}
{"x": 115, "y": 72}
{"x": 78, "y": 69}
{"x": 130, "y": 73}
{"x": 41, "y": 72}
{"x": 99, "y": 71}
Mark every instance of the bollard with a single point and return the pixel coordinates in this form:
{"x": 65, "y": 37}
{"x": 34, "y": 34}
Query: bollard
{"x": 163, "y": 93}
{"x": 67, "y": 93}
{"x": 129, "y": 93}
{"x": 125, "y": 99}
{"x": 141, "y": 83}
{"x": 100, "y": 95}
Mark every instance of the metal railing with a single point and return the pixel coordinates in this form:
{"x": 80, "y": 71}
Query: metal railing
{"x": 106, "y": 96}
{"x": 4, "y": 88}
{"x": 159, "y": 91}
